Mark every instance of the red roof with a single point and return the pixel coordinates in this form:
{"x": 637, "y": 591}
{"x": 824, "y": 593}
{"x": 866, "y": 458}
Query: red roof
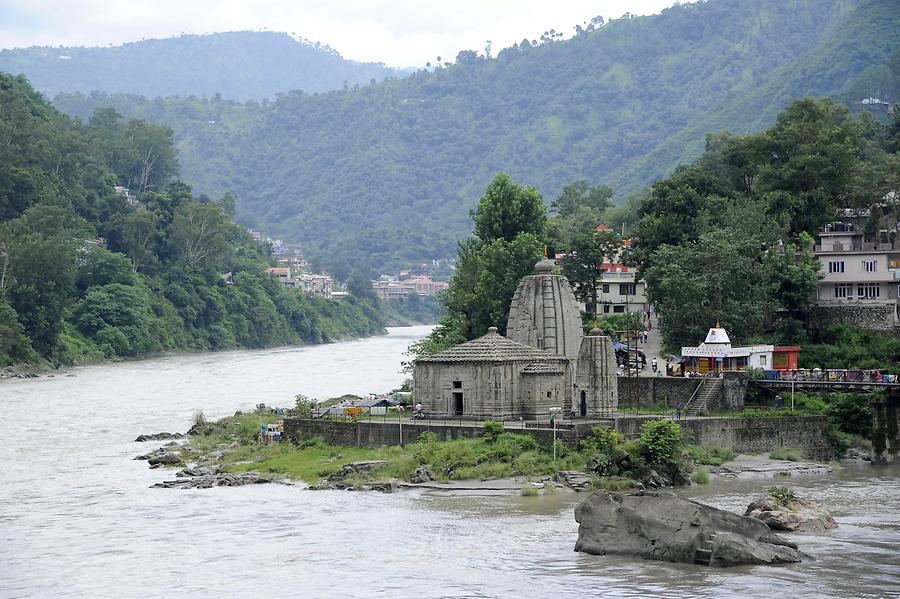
{"x": 602, "y": 228}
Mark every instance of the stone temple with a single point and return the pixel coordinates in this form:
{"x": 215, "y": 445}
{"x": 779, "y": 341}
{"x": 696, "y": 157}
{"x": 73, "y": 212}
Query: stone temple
{"x": 545, "y": 362}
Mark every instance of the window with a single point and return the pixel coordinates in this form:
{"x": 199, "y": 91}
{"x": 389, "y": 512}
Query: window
{"x": 605, "y": 287}
{"x": 606, "y": 308}
{"x": 843, "y": 290}
{"x": 618, "y": 309}
{"x": 836, "y": 266}
{"x": 626, "y": 288}
{"x": 868, "y": 291}
{"x": 762, "y": 360}
{"x": 457, "y": 384}
{"x": 549, "y": 394}
{"x": 870, "y": 265}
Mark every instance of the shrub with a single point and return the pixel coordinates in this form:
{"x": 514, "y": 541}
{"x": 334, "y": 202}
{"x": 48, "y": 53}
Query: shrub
{"x": 492, "y": 430}
{"x": 851, "y": 413}
{"x": 661, "y": 441}
{"x": 304, "y": 407}
{"x": 701, "y": 476}
{"x": 787, "y": 453}
{"x": 428, "y": 437}
{"x": 709, "y": 454}
{"x": 529, "y": 490}
{"x": 602, "y": 439}
{"x": 781, "y": 495}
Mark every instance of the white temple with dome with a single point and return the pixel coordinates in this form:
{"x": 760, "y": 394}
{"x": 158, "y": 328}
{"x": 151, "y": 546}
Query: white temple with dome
{"x": 716, "y": 353}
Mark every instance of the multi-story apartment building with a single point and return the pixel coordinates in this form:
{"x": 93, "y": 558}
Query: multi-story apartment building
{"x": 621, "y": 291}
{"x": 862, "y": 276}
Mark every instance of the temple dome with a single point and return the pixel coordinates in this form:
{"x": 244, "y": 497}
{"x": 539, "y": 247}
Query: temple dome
{"x": 717, "y": 335}
{"x": 544, "y": 314}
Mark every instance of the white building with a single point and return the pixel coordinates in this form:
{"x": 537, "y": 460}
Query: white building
{"x": 716, "y": 354}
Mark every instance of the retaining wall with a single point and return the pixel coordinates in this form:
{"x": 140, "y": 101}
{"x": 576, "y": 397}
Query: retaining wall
{"x": 743, "y": 435}
{"x": 749, "y": 435}
{"x": 886, "y": 428}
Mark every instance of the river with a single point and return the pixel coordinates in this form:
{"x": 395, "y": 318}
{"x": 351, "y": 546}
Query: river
{"x": 78, "y": 519}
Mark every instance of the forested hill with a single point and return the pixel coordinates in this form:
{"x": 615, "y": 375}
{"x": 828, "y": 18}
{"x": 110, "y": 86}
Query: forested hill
{"x": 387, "y": 172}
{"x": 89, "y": 273}
{"x": 240, "y": 65}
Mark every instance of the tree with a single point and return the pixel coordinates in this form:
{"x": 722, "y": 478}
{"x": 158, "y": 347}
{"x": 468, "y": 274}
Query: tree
{"x": 583, "y": 264}
{"x": 199, "y": 232}
{"x": 506, "y": 209}
{"x": 718, "y": 278}
{"x": 581, "y": 195}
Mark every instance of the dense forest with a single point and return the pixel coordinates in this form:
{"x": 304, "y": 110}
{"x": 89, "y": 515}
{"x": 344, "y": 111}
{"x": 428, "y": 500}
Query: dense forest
{"x": 89, "y": 273}
{"x": 238, "y": 65}
{"x": 390, "y": 170}
{"x": 725, "y": 239}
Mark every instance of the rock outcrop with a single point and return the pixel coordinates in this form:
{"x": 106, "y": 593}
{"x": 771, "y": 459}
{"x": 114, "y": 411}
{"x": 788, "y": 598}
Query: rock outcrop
{"x": 351, "y": 468}
{"x": 158, "y": 437}
{"x": 421, "y": 475}
{"x": 662, "y": 526}
{"x": 575, "y": 480}
{"x": 794, "y": 515}
{"x": 213, "y": 480}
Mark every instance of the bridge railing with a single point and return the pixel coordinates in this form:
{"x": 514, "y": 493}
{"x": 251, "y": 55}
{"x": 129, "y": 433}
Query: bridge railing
{"x": 834, "y": 375}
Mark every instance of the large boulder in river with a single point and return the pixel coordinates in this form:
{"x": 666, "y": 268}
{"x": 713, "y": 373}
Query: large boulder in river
{"x": 661, "y": 526}
{"x": 791, "y": 515}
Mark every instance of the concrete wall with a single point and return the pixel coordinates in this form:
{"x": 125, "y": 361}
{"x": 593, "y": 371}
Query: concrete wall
{"x": 749, "y": 435}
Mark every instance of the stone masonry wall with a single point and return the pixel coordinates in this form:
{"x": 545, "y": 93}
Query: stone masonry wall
{"x": 878, "y": 318}
{"x": 377, "y": 433}
{"x": 646, "y": 391}
{"x": 750, "y": 435}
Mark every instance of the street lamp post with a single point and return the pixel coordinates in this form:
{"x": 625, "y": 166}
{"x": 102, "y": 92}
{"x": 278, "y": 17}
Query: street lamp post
{"x": 553, "y": 412}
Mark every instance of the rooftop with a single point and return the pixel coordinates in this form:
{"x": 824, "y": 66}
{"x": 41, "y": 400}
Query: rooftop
{"x": 492, "y": 347}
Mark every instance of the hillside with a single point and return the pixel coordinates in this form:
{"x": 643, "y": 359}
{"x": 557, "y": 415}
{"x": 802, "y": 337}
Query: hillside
{"x": 240, "y": 65}
{"x": 387, "y": 173}
{"x": 88, "y": 272}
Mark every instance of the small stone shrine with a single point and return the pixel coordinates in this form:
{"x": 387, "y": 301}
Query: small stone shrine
{"x": 546, "y": 362}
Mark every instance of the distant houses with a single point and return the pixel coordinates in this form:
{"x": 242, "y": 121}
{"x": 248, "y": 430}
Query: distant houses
{"x": 420, "y": 285}
{"x": 317, "y": 285}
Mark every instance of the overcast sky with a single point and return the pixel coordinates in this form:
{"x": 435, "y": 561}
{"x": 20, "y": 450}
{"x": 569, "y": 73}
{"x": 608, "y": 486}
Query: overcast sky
{"x": 396, "y": 32}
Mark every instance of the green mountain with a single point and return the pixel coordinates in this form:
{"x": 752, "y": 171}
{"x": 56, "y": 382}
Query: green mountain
{"x": 386, "y": 173}
{"x": 239, "y": 65}
{"x": 91, "y": 272}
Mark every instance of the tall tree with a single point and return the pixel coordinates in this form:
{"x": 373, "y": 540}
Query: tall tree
{"x": 583, "y": 264}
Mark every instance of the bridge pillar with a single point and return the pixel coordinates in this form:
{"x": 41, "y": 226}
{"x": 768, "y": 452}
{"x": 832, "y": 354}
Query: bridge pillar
{"x": 886, "y": 428}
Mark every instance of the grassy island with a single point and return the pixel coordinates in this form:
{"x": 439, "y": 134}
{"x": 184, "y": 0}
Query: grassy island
{"x": 659, "y": 457}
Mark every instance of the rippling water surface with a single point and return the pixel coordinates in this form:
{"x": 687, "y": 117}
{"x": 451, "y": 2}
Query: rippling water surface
{"x": 77, "y": 518}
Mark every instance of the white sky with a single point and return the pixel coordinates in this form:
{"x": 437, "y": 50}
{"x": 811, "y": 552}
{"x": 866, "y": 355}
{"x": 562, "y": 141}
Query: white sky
{"x": 398, "y": 32}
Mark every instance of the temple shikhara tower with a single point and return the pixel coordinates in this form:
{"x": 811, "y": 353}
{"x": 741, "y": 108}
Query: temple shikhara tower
{"x": 545, "y": 361}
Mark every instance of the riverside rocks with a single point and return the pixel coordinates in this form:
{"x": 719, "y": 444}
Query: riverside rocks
{"x": 794, "y": 515}
{"x": 575, "y": 480}
{"x": 158, "y": 437}
{"x": 662, "y": 526}
{"x": 213, "y": 480}
{"x": 421, "y": 475}
{"x": 351, "y": 468}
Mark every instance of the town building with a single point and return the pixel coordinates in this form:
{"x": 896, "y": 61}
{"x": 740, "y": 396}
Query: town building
{"x": 315, "y": 284}
{"x": 620, "y": 290}
{"x": 283, "y": 274}
{"x": 717, "y": 354}
{"x": 421, "y": 285}
{"x": 860, "y": 279}
{"x": 545, "y": 362}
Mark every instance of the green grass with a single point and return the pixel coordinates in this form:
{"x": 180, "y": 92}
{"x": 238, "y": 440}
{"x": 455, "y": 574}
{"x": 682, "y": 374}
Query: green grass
{"x": 529, "y": 490}
{"x": 787, "y": 453}
{"x": 701, "y": 476}
{"x": 709, "y": 455}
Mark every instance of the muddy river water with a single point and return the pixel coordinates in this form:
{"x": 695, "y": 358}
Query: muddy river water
{"x": 78, "y": 519}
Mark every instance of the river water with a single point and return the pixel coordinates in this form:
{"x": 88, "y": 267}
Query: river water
{"x": 78, "y": 519}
